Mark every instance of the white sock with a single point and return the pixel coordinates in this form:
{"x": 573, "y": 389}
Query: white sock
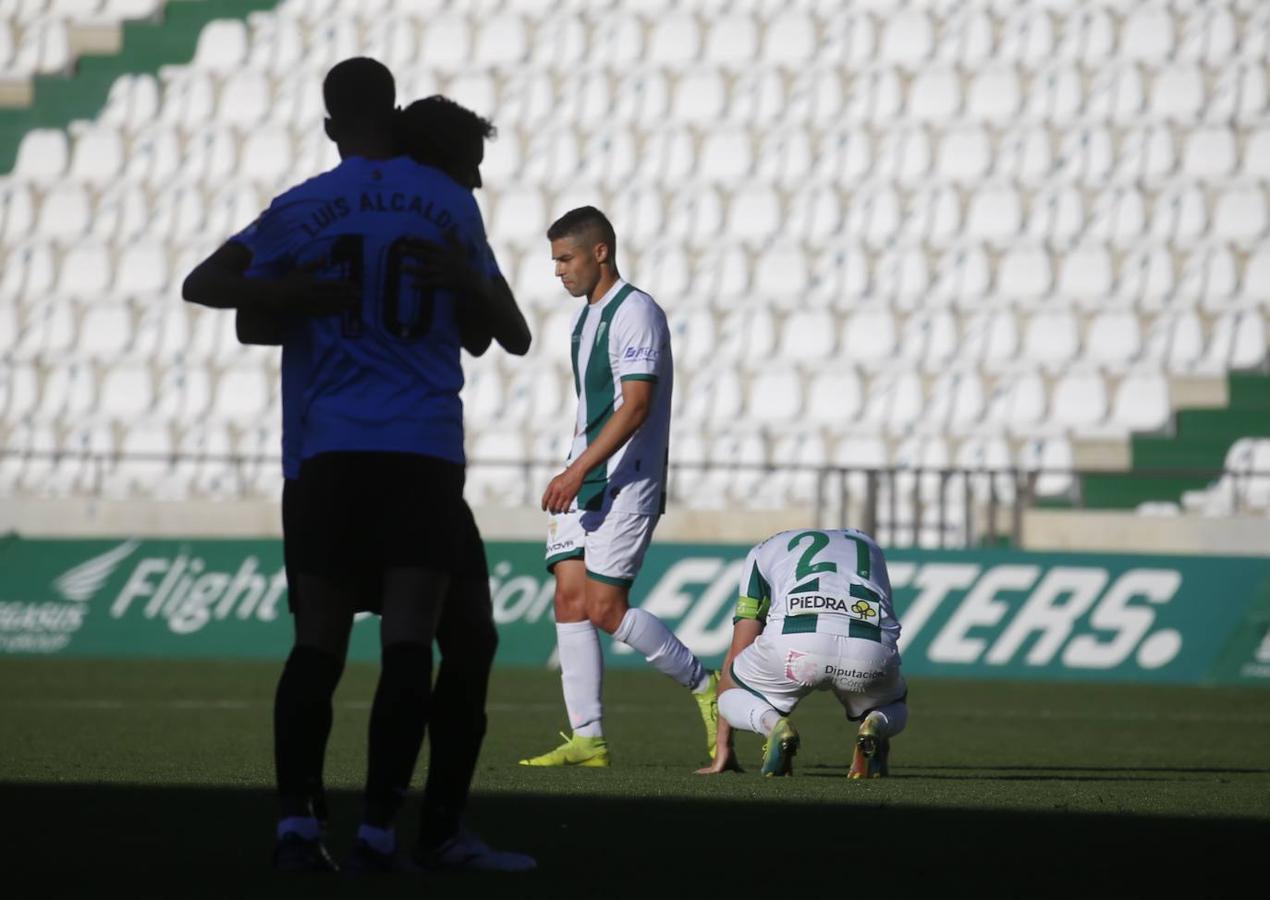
{"x": 648, "y": 635}
{"x": 582, "y": 675}
{"x": 306, "y": 827}
{"x": 381, "y": 840}
{"x": 891, "y": 718}
{"x": 745, "y": 711}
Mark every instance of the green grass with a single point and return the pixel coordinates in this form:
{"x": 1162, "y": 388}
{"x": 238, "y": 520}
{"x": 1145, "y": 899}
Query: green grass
{"x": 160, "y": 773}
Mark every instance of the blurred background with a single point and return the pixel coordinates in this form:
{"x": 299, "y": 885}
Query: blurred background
{"x": 973, "y": 273}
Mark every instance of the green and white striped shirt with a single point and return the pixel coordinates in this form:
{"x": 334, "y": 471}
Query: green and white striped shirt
{"x": 623, "y": 336}
{"x": 830, "y": 581}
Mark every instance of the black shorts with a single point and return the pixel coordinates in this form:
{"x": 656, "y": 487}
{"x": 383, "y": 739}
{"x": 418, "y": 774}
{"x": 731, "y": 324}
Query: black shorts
{"x": 356, "y": 514}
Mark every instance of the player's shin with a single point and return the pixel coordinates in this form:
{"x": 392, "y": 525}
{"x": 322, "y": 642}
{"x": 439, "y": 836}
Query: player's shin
{"x": 889, "y": 720}
{"x": 302, "y": 722}
{"x": 457, "y": 726}
{"x": 648, "y": 635}
{"x": 398, "y": 718}
{"x": 582, "y": 676}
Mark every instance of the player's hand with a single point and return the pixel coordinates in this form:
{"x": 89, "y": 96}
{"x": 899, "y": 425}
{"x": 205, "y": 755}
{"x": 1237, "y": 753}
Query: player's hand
{"x": 434, "y": 267}
{"x": 302, "y": 292}
{"x": 563, "y": 489}
{"x": 724, "y": 761}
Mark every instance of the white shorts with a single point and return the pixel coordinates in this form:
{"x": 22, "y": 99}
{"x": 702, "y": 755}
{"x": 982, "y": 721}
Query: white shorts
{"x": 784, "y": 668}
{"x": 612, "y": 543}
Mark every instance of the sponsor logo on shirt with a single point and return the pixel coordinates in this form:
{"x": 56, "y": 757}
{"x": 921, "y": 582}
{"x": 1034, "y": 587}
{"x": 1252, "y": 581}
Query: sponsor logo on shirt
{"x": 808, "y": 604}
{"x": 648, "y": 354}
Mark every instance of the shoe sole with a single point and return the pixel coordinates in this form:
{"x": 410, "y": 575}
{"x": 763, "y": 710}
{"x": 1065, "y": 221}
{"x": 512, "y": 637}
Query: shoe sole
{"x": 784, "y": 759}
{"x": 592, "y": 763}
{"x": 871, "y": 752}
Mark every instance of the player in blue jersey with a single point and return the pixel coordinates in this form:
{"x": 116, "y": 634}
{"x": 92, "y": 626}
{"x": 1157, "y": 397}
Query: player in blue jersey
{"x": 380, "y": 424}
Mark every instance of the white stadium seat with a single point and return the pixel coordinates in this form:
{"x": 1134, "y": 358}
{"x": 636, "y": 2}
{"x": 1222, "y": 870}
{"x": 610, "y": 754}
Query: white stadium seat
{"x": 42, "y": 156}
{"x": 1142, "y": 402}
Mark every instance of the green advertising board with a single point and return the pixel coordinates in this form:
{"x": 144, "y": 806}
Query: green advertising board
{"x": 966, "y": 614}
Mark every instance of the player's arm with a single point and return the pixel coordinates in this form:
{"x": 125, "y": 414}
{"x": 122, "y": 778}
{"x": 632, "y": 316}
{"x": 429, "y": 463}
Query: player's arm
{"x": 221, "y": 282}
{"x": 487, "y": 308}
{"x": 746, "y": 627}
{"x": 637, "y": 402}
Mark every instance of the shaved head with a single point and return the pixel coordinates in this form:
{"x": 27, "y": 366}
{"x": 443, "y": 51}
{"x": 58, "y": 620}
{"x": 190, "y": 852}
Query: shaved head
{"x": 585, "y": 226}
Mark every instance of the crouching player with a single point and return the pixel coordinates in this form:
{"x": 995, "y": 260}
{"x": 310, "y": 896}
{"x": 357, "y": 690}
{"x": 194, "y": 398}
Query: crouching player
{"x": 814, "y": 614}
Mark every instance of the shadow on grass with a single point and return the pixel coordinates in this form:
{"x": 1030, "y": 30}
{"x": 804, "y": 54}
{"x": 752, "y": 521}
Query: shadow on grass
{"x": 86, "y": 840}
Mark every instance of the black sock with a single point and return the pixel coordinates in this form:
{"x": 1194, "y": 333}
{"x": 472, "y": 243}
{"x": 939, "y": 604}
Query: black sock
{"x": 397, "y": 722}
{"x": 457, "y": 730}
{"x": 302, "y": 723}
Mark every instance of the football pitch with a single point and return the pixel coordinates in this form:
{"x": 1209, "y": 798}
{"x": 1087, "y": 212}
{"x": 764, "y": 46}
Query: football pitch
{"x": 155, "y": 777}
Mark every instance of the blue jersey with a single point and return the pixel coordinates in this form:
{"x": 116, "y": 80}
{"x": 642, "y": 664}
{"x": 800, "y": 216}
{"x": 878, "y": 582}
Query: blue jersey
{"x": 387, "y": 375}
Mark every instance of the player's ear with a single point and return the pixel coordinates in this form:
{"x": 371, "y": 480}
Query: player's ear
{"x": 329, "y": 127}
{"x": 601, "y": 253}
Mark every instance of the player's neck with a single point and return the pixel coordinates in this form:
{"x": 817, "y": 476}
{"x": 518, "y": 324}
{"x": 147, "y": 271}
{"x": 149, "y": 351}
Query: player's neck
{"x": 608, "y": 278}
{"x": 370, "y": 148}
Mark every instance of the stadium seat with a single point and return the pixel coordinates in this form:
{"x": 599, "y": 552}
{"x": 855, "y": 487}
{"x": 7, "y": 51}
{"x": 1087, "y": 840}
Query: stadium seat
{"x": 1142, "y": 402}
{"x": 1017, "y": 402}
{"x": 907, "y": 40}
{"x": 105, "y": 331}
{"x": 28, "y": 271}
{"x": 995, "y": 215}
{"x": 1118, "y": 217}
{"x": 1056, "y": 94}
{"x": 222, "y": 46}
{"x": 127, "y": 393}
{"x": 1024, "y": 273}
{"x": 775, "y": 396}
{"x": 42, "y": 156}
{"x": 19, "y": 391}
{"x": 42, "y": 48}
{"x": 1209, "y": 153}
{"x": 1147, "y": 278}
{"x": 133, "y": 102}
{"x": 142, "y": 268}
{"x": 1050, "y": 459}
{"x": 1086, "y": 275}
{"x": 98, "y": 156}
{"x": 963, "y": 155}
{"x": 1240, "y": 214}
{"x": 244, "y": 99}
{"x": 1057, "y": 214}
{"x": 153, "y": 158}
{"x": 49, "y": 332}
{"x": 1113, "y": 339}
{"x": 833, "y": 397}
{"x": 732, "y": 41}
{"x": 1079, "y": 400}
{"x": 266, "y": 157}
{"x": 1028, "y": 35}
{"x": 934, "y": 95}
{"x": 994, "y": 95}
{"x": 1177, "y": 93}
{"x": 183, "y": 394}
{"x": 500, "y": 478}
{"x": 276, "y": 44}
{"x": 1147, "y": 153}
{"x": 17, "y": 212}
{"x": 64, "y": 214}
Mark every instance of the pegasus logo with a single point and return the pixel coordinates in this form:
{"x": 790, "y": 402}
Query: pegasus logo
{"x": 82, "y": 582}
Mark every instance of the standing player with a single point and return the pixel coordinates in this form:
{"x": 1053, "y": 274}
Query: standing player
{"x": 815, "y": 613}
{"x": 379, "y": 497}
{"x": 605, "y": 504}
